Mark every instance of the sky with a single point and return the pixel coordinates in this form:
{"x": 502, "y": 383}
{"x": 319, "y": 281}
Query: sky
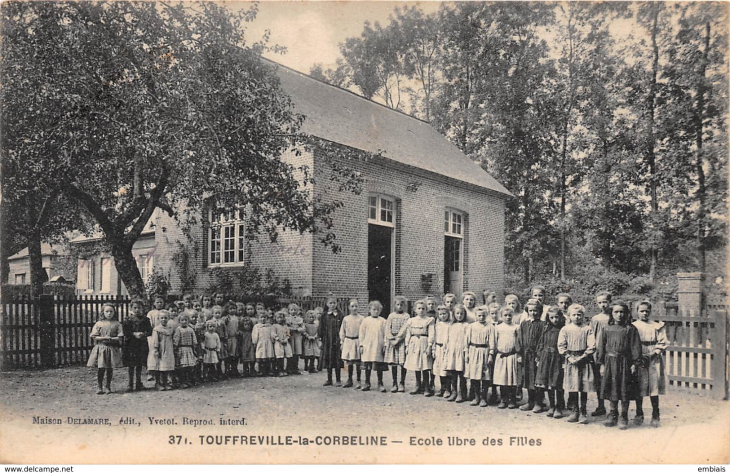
{"x": 312, "y": 30}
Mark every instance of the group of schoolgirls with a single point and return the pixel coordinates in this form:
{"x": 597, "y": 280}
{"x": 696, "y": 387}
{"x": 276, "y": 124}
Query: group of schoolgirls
{"x": 545, "y": 350}
{"x": 193, "y": 341}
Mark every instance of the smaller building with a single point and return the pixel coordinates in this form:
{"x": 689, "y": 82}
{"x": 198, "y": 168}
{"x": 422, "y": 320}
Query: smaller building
{"x": 56, "y": 262}
{"x": 97, "y": 274}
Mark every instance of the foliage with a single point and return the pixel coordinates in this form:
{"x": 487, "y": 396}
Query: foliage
{"x": 613, "y": 145}
{"x": 249, "y": 284}
{"x": 140, "y": 106}
{"x": 156, "y": 283}
{"x": 183, "y": 260}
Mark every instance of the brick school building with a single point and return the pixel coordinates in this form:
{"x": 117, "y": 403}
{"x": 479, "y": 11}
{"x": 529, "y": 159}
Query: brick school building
{"x": 429, "y": 219}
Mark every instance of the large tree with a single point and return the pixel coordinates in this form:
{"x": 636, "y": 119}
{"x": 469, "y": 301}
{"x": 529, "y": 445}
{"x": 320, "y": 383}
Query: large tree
{"x": 154, "y": 106}
{"x": 33, "y": 207}
{"x": 695, "y": 101}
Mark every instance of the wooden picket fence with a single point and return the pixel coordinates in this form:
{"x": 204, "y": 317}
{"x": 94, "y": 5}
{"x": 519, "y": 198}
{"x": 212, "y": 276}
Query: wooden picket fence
{"x": 51, "y": 331}
{"x": 697, "y": 357}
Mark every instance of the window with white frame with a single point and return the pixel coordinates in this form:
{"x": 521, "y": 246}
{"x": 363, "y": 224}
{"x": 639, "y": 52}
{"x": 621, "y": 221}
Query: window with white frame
{"x": 145, "y": 263}
{"x": 86, "y": 274}
{"x": 453, "y": 223}
{"x": 381, "y": 210}
{"x": 226, "y": 242}
{"x": 20, "y": 278}
{"x": 106, "y": 275}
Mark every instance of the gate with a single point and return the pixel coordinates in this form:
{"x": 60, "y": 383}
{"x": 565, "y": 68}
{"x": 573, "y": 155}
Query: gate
{"x": 696, "y": 359}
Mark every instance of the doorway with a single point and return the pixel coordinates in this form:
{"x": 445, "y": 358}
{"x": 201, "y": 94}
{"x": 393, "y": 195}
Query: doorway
{"x": 380, "y": 265}
{"x": 453, "y": 274}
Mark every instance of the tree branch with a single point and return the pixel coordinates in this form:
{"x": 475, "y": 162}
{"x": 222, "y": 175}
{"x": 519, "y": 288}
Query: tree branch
{"x": 93, "y": 207}
{"x": 152, "y": 203}
{"x": 45, "y": 209}
{"x": 166, "y": 207}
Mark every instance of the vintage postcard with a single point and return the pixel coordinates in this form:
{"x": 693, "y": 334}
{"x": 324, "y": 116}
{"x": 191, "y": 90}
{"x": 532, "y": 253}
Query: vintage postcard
{"x": 364, "y": 233}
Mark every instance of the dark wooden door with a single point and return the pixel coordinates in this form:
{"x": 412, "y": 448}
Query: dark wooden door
{"x": 380, "y": 256}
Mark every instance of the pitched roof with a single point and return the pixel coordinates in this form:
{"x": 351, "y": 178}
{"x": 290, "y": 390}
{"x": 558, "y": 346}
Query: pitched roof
{"x": 46, "y": 250}
{"x": 340, "y": 116}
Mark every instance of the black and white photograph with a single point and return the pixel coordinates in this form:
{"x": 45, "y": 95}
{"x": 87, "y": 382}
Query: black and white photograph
{"x": 364, "y": 232}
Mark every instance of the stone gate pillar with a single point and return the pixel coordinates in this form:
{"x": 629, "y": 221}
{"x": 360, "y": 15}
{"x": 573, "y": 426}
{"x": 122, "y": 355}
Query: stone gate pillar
{"x": 690, "y": 293}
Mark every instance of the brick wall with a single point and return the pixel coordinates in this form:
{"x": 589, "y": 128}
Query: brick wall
{"x": 290, "y": 257}
{"x": 420, "y": 231}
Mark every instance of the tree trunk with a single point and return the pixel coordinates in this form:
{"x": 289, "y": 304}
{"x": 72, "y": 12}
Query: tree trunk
{"x": 650, "y": 156}
{"x": 4, "y": 241}
{"x": 562, "y": 201}
{"x": 127, "y": 269}
{"x": 466, "y": 99}
{"x": 564, "y": 153}
{"x": 699, "y": 130}
{"x": 37, "y": 275}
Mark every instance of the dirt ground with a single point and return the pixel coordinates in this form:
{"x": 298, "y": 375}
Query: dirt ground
{"x": 149, "y": 426}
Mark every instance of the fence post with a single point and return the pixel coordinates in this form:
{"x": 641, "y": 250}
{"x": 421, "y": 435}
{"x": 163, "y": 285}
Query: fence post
{"x": 719, "y": 356}
{"x": 47, "y": 327}
{"x": 689, "y": 293}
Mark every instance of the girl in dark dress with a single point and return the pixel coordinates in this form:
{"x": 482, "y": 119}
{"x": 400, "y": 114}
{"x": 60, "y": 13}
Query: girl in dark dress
{"x": 329, "y": 333}
{"x": 618, "y": 352}
{"x": 136, "y": 329}
{"x": 530, "y": 333}
{"x": 549, "y": 373}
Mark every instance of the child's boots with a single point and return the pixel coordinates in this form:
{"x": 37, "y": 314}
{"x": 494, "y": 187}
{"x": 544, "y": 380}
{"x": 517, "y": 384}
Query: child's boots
{"x": 493, "y": 398}
{"x": 512, "y": 404}
{"x": 623, "y": 422}
{"x": 428, "y": 386}
{"x": 583, "y": 419}
{"x": 477, "y": 398}
{"x": 485, "y": 394}
{"x": 559, "y": 405}
{"x": 655, "y": 418}
{"x": 573, "y": 417}
{"x": 463, "y": 394}
{"x": 453, "y": 384}
{"x": 446, "y": 386}
{"x": 539, "y": 401}
{"x": 600, "y": 410}
{"x": 138, "y": 379}
{"x": 418, "y": 388}
{"x": 611, "y": 418}
{"x": 530, "y": 401}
